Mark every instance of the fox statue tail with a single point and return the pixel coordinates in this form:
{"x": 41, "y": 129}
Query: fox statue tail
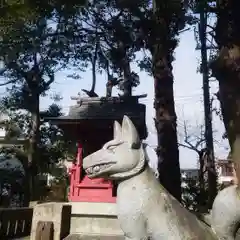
{"x": 225, "y": 216}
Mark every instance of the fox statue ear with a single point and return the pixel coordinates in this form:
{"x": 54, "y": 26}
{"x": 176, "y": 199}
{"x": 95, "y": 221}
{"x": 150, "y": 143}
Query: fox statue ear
{"x": 129, "y": 133}
{"x": 117, "y": 131}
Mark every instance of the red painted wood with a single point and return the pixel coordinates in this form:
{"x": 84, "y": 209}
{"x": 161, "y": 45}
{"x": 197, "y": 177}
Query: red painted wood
{"x": 83, "y": 189}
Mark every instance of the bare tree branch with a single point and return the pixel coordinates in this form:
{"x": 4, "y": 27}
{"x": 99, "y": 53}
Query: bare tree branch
{"x": 189, "y": 147}
{"x": 192, "y": 141}
{"x": 51, "y": 79}
{"x": 7, "y": 82}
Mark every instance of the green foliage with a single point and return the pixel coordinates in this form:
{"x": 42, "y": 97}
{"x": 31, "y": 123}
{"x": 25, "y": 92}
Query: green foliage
{"x": 34, "y": 46}
{"x": 58, "y": 190}
{"x": 58, "y": 33}
{"x": 10, "y": 175}
{"x": 192, "y": 197}
{"x": 139, "y": 26}
{"x": 52, "y": 147}
{"x": 110, "y": 33}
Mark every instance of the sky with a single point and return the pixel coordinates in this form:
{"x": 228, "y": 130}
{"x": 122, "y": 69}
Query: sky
{"x": 187, "y": 92}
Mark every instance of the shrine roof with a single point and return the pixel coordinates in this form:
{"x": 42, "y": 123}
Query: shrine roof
{"x": 101, "y": 108}
{"x": 98, "y": 114}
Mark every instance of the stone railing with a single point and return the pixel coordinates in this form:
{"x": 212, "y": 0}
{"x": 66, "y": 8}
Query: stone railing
{"x": 15, "y": 222}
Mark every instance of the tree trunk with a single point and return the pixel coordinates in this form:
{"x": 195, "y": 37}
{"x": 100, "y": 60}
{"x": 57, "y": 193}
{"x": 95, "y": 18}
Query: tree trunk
{"x": 201, "y": 177}
{"x": 126, "y": 69}
{"x": 226, "y": 66}
{"x": 26, "y": 186}
{"x": 229, "y": 97}
{"x": 127, "y": 91}
{"x": 165, "y": 122}
{"x": 94, "y": 63}
{"x": 33, "y": 159}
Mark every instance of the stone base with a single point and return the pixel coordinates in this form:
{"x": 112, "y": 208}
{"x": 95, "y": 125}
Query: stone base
{"x": 57, "y": 213}
{"x": 99, "y": 219}
{"x": 93, "y": 237}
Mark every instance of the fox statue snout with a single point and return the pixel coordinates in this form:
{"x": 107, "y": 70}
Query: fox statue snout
{"x": 119, "y": 158}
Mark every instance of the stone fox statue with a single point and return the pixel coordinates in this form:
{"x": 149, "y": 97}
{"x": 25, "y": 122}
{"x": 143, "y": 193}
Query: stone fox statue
{"x": 225, "y": 215}
{"x": 145, "y": 209}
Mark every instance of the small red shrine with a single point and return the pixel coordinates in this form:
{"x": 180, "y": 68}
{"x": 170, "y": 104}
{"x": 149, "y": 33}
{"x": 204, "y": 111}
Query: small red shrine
{"x": 90, "y": 125}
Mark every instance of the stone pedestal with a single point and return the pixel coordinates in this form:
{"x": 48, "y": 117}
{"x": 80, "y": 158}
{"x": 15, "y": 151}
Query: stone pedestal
{"x": 82, "y": 220}
{"x": 99, "y": 219}
{"x": 58, "y": 213}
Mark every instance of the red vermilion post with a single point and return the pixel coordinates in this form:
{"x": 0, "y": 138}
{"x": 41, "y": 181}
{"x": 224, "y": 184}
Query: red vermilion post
{"x": 83, "y": 189}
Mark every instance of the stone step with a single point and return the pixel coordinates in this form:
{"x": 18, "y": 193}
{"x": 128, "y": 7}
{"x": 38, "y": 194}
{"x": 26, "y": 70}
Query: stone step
{"x": 93, "y": 237}
{"x": 94, "y": 218}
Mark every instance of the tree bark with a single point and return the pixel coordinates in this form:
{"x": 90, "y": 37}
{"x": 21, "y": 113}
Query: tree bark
{"x": 126, "y": 69}
{"x": 33, "y": 160}
{"x": 226, "y": 67}
{"x": 201, "y": 176}
{"x": 229, "y": 97}
{"x": 127, "y": 91}
{"x": 165, "y": 121}
{"x": 161, "y": 45}
{"x": 94, "y": 63}
{"x": 26, "y": 186}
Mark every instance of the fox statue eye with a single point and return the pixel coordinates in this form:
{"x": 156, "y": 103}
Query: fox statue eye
{"x": 111, "y": 148}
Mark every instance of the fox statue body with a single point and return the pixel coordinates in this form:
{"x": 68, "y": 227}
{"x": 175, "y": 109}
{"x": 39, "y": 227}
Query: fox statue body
{"x": 145, "y": 209}
{"x": 225, "y": 215}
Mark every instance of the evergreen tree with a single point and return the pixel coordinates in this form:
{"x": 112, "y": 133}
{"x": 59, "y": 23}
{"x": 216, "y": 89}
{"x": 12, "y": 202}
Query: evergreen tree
{"x": 159, "y": 23}
{"x": 110, "y": 27}
{"x": 32, "y": 49}
{"x": 52, "y": 148}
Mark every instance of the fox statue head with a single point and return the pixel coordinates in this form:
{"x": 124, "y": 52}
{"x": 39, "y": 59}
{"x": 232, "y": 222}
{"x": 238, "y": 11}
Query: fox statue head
{"x": 120, "y": 158}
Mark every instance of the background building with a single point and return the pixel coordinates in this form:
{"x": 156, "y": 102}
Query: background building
{"x": 225, "y": 170}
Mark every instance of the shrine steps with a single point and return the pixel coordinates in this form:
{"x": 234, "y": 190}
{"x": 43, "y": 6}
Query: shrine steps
{"x": 92, "y": 218}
